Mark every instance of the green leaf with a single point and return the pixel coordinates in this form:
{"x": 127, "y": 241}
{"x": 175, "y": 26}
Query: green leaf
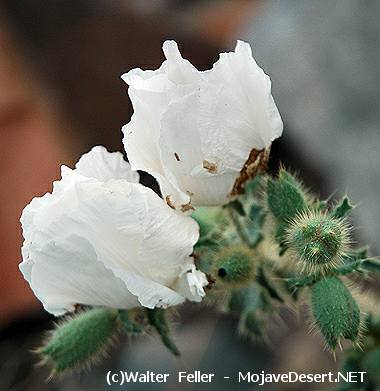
{"x": 343, "y": 208}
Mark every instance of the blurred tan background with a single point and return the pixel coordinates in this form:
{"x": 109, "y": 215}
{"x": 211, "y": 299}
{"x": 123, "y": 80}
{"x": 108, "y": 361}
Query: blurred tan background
{"x": 61, "y": 93}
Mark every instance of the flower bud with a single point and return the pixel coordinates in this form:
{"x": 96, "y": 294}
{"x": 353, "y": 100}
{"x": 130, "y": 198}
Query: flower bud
{"x": 78, "y": 342}
{"x": 318, "y": 241}
{"x": 234, "y": 265}
{"x": 286, "y": 197}
{"x": 336, "y": 313}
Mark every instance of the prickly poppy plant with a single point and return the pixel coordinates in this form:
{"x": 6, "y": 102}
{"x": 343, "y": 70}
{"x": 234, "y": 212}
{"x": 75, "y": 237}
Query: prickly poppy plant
{"x": 110, "y": 256}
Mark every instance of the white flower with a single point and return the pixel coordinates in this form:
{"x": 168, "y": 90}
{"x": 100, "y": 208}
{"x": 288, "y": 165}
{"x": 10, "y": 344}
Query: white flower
{"x": 100, "y": 239}
{"x": 201, "y": 134}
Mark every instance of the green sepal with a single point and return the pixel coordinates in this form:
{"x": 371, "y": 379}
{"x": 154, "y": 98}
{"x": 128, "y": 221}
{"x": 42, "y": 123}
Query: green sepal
{"x": 336, "y": 313}
{"x": 343, "y": 208}
{"x": 78, "y": 341}
{"x": 371, "y": 265}
{"x": 157, "y": 318}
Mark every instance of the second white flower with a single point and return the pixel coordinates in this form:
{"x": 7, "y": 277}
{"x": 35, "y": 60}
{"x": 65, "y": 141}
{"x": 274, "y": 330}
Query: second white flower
{"x": 201, "y": 134}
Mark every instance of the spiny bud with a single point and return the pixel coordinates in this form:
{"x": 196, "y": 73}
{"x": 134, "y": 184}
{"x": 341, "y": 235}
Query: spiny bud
{"x": 336, "y": 313}
{"x": 80, "y": 340}
{"x": 286, "y": 198}
{"x": 234, "y": 264}
{"x": 318, "y": 241}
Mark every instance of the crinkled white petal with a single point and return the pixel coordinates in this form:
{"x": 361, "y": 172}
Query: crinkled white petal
{"x": 191, "y": 284}
{"x": 104, "y": 166}
{"x": 194, "y": 131}
{"x": 104, "y": 242}
{"x": 238, "y": 113}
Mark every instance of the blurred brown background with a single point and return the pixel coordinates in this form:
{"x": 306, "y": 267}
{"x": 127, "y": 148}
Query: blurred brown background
{"x": 61, "y": 93}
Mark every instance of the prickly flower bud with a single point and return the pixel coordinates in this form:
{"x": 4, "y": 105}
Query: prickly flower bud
{"x": 79, "y": 341}
{"x": 318, "y": 241}
{"x": 286, "y": 197}
{"x": 235, "y": 264}
{"x": 336, "y": 312}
